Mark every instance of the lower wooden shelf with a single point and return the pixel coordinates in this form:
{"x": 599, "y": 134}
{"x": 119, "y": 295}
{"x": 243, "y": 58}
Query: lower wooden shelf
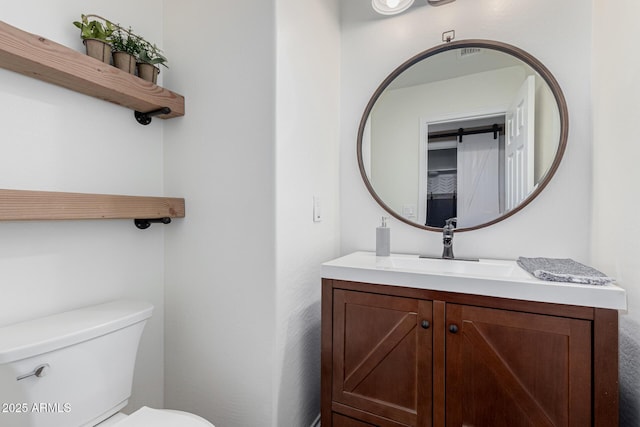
{"x": 23, "y": 205}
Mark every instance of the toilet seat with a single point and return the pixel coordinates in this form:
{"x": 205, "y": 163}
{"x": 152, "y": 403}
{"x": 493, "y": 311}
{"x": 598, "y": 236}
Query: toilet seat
{"x": 149, "y": 417}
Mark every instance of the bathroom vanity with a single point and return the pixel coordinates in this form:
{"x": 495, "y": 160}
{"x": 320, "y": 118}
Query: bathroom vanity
{"x": 427, "y": 342}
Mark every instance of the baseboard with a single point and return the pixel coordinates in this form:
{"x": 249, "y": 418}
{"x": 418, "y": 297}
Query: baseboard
{"x": 316, "y": 422}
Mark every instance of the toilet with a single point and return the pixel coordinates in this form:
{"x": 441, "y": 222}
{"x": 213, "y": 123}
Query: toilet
{"x": 75, "y": 369}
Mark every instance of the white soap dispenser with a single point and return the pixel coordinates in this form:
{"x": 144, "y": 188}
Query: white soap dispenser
{"x": 383, "y": 239}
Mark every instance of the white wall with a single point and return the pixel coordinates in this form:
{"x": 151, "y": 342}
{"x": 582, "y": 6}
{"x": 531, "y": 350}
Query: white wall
{"x": 307, "y": 159}
{"x": 58, "y": 140}
{"x": 220, "y": 260}
{"x": 616, "y": 230}
{"x": 373, "y": 46}
{"x": 259, "y": 140}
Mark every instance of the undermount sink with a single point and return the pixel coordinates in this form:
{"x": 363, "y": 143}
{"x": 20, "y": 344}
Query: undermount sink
{"x": 484, "y": 268}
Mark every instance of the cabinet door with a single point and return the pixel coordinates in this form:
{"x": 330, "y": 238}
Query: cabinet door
{"x": 362, "y": 419}
{"x": 382, "y": 355}
{"x": 342, "y": 421}
{"x": 512, "y": 369}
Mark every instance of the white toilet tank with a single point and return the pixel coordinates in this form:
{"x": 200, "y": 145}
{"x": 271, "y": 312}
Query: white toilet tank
{"x": 83, "y": 361}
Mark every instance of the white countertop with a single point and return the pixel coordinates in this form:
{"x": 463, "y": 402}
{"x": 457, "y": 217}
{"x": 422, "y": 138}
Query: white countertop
{"x": 495, "y": 278}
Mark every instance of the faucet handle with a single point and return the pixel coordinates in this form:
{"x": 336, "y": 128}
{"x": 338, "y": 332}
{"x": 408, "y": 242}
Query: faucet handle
{"x": 449, "y": 221}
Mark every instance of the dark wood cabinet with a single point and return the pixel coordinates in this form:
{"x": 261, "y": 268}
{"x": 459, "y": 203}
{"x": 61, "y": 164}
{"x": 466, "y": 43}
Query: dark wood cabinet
{"x": 508, "y": 368}
{"x": 342, "y": 421}
{"x": 394, "y": 356}
{"x": 382, "y": 355}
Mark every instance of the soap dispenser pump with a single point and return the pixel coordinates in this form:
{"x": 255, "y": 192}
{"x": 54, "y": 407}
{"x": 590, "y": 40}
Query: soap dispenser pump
{"x": 383, "y": 239}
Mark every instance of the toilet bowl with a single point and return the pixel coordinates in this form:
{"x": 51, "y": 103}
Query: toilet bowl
{"x": 149, "y": 417}
{"x": 79, "y": 364}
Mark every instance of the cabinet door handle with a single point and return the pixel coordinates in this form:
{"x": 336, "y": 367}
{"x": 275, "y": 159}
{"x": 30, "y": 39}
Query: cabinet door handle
{"x": 425, "y": 324}
{"x": 453, "y": 328}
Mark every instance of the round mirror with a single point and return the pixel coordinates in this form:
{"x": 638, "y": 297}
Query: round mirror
{"x": 472, "y": 130}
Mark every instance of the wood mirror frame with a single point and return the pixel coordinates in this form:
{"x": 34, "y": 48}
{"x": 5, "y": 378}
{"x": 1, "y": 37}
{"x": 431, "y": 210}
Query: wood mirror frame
{"x": 518, "y": 53}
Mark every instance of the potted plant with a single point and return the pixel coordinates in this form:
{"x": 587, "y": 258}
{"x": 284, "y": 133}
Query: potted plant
{"x": 96, "y": 37}
{"x": 148, "y": 57}
{"x": 125, "y": 49}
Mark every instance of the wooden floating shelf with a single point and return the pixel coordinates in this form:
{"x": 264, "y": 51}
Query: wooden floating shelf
{"x": 42, "y": 59}
{"x": 45, "y": 60}
{"x": 22, "y": 205}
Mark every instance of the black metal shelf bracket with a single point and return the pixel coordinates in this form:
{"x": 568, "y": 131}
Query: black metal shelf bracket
{"x": 145, "y": 118}
{"x": 145, "y": 223}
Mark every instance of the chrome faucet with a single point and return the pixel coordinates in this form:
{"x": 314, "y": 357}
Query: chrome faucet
{"x": 447, "y": 238}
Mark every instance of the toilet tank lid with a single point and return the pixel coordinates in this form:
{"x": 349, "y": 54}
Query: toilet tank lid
{"x": 30, "y": 338}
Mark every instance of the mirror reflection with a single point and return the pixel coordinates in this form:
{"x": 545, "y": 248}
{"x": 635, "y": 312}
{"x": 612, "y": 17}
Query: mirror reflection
{"x": 472, "y": 130}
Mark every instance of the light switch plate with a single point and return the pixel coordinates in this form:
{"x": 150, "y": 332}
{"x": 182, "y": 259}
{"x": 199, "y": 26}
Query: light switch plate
{"x": 317, "y": 210}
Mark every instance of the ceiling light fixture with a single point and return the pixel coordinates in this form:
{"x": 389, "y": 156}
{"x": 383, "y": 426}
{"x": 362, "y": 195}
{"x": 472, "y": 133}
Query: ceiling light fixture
{"x": 391, "y": 7}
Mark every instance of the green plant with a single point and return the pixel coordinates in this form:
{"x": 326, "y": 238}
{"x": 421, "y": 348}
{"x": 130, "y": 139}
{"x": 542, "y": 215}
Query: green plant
{"x": 151, "y": 54}
{"x": 130, "y": 43}
{"x": 121, "y": 40}
{"x": 92, "y": 29}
